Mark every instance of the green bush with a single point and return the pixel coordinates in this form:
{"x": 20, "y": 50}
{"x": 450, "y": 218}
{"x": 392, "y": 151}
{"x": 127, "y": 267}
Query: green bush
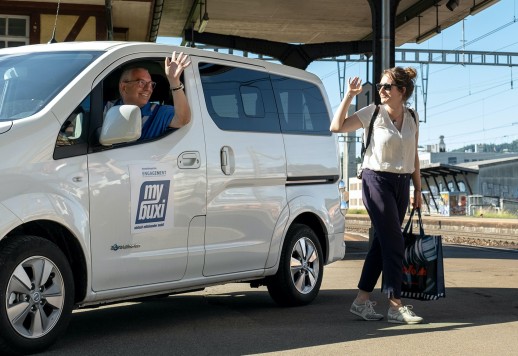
{"x": 357, "y": 211}
{"x": 504, "y": 214}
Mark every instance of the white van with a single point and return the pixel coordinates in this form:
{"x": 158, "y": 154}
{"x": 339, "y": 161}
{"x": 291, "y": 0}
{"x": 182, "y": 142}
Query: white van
{"x": 247, "y": 191}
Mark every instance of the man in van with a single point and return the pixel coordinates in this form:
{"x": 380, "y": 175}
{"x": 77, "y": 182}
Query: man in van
{"x": 136, "y": 87}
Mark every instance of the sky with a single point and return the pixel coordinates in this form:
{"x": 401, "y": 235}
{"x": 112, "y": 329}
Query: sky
{"x": 467, "y": 104}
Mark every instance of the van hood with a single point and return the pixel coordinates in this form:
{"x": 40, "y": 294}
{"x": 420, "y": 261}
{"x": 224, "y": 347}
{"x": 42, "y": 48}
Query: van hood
{"x": 5, "y": 126}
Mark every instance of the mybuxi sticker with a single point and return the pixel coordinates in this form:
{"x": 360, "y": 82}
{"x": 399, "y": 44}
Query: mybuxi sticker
{"x": 152, "y": 202}
{"x": 151, "y": 196}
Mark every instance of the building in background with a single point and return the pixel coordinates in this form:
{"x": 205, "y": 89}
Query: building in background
{"x": 25, "y": 22}
{"x": 452, "y": 158}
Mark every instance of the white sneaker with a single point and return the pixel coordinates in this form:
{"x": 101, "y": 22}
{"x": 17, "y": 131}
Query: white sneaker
{"x": 365, "y": 311}
{"x": 404, "y": 315}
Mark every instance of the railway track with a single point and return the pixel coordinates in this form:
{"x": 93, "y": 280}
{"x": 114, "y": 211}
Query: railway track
{"x": 465, "y": 232}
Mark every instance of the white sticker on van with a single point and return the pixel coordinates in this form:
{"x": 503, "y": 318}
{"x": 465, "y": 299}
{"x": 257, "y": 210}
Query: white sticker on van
{"x": 151, "y": 197}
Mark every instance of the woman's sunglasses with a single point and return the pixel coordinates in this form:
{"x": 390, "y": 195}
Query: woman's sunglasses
{"x": 385, "y": 86}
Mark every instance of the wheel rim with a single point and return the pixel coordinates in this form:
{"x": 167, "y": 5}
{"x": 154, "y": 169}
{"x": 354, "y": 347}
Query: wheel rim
{"x": 305, "y": 265}
{"x": 35, "y": 297}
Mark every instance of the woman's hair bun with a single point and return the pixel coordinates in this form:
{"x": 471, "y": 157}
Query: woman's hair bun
{"x": 411, "y": 72}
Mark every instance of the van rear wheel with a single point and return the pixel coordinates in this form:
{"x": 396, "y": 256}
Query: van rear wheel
{"x": 298, "y": 280}
{"x": 36, "y": 294}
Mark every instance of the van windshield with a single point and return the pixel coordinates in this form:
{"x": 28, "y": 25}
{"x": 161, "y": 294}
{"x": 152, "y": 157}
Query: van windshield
{"x": 29, "y": 81}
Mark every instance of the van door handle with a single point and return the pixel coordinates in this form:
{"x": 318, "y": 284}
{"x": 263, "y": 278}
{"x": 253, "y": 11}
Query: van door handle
{"x": 189, "y": 160}
{"x": 225, "y": 160}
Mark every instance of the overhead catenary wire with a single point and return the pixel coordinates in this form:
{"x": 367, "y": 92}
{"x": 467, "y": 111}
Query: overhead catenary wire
{"x": 485, "y": 91}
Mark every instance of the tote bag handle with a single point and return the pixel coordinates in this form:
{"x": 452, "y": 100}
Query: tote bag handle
{"x": 408, "y": 226}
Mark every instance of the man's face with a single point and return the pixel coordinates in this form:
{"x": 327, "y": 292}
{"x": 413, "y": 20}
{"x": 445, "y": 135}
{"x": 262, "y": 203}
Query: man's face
{"x": 136, "y": 87}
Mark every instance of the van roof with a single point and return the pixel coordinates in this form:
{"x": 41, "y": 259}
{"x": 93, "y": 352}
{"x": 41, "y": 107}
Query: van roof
{"x": 112, "y": 46}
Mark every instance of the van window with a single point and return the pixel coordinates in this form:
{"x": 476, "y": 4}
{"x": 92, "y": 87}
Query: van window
{"x": 72, "y": 137}
{"x": 238, "y": 98}
{"x": 161, "y": 93}
{"x": 29, "y": 81}
{"x": 301, "y": 106}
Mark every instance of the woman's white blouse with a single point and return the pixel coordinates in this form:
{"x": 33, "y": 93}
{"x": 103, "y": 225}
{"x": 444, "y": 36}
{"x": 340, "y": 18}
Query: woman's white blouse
{"x": 389, "y": 149}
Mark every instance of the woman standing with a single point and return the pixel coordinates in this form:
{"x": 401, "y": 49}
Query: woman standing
{"x": 390, "y": 161}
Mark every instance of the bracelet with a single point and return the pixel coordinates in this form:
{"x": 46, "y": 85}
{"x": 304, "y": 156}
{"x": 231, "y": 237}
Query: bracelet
{"x": 180, "y": 87}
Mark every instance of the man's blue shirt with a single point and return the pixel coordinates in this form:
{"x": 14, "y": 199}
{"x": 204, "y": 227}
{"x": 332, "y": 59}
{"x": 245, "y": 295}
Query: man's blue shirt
{"x": 155, "y": 120}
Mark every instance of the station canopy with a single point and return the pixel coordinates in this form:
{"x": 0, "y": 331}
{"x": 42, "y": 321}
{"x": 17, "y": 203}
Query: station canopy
{"x": 320, "y": 28}
{"x": 446, "y": 172}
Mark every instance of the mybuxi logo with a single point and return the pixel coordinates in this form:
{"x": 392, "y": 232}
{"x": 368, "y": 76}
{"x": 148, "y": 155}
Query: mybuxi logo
{"x": 152, "y": 203}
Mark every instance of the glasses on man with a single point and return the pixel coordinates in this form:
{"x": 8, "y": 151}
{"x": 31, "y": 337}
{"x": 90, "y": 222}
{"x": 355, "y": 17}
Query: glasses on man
{"x": 142, "y": 83}
{"x": 385, "y": 86}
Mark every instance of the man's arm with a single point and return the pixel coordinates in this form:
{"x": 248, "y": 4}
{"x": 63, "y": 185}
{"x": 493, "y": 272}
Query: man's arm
{"x": 174, "y": 67}
{"x": 182, "y": 111}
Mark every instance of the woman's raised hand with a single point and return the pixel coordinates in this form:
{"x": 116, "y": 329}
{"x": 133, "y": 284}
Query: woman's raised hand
{"x": 354, "y": 86}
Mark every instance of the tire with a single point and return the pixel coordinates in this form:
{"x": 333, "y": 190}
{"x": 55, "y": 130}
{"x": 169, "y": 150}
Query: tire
{"x": 36, "y": 294}
{"x": 298, "y": 280}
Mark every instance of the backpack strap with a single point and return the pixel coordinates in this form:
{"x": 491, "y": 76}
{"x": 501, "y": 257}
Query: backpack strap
{"x": 413, "y": 115}
{"x": 369, "y": 134}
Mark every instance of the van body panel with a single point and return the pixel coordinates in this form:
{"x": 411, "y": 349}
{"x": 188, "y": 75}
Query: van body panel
{"x": 37, "y": 187}
{"x": 322, "y": 205}
{"x": 254, "y": 195}
{"x": 311, "y": 157}
{"x": 9, "y": 220}
{"x": 140, "y": 242}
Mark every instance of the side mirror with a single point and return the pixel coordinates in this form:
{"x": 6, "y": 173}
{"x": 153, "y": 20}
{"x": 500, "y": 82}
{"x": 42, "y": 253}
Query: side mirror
{"x": 122, "y": 123}
{"x": 73, "y": 127}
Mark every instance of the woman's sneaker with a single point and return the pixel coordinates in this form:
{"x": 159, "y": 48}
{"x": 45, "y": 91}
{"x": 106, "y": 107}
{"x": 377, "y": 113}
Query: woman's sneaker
{"x": 365, "y": 310}
{"x": 404, "y": 315}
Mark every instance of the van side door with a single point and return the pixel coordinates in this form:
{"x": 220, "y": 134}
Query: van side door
{"x": 246, "y": 165}
{"x": 144, "y": 196}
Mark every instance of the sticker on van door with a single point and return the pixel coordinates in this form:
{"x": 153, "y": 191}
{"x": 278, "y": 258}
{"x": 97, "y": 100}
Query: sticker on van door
{"x": 151, "y": 197}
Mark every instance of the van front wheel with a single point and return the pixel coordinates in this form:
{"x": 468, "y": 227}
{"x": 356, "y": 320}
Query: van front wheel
{"x": 36, "y": 294}
{"x": 298, "y": 280}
